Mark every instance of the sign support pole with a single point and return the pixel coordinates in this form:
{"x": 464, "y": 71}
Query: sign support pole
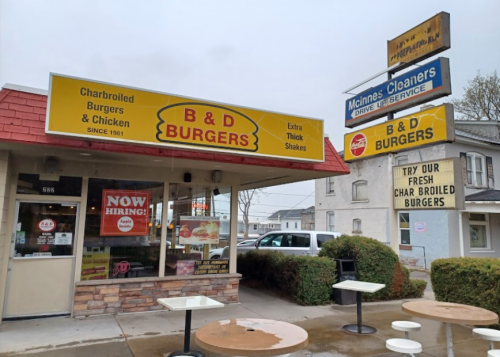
{"x": 393, "y": 214}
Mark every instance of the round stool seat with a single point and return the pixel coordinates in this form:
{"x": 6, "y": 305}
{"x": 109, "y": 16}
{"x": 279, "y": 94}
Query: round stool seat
{"x": 494, "y": 353}
{"x": 407, "y": 326}
{"x": 403, "y": 345}
{"x": 487, "y": 334}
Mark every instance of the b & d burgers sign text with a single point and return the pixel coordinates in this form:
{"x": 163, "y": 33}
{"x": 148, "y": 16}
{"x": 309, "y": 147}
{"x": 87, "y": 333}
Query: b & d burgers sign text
{"x": 429, "y": 185}
{"x": 430, "y": 126}
{"x": 95, "y": 110}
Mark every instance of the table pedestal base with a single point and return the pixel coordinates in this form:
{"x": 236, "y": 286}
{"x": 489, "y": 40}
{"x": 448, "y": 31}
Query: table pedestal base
{"x": 190, "y": 353}
{"x": 187, "y": 340}
{"x": 364, "y": 330}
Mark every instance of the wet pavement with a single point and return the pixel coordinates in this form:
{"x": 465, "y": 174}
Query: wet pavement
{"x": 159, "y": 333}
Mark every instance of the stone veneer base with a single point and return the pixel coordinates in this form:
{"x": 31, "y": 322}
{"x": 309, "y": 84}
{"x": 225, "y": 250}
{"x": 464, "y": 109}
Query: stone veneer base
{"x": 95, "y": 297}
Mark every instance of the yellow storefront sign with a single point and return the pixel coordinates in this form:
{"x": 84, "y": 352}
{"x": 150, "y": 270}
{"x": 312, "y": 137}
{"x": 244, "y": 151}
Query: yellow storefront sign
{"x": 422, "y": 41}
{"x": 101, "y": 111}
{"x": 429, "y": 185}
{"x": 426, "y": 127}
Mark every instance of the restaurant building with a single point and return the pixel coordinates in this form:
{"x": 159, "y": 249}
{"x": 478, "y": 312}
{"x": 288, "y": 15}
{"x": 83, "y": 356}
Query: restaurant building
{"x": 98, "y": 217}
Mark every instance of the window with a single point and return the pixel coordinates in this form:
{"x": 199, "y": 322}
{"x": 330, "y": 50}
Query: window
{"x": 356, "y": 225}
{"x": 401, "y": 160}
{"x": 476, "y": 170}
{"x": 323, "y": 238}
{"x": 329, "y": 185}
{"x": 295, "y": 224}
{"x": 286, "y": 224}
{"x": 298, "y": 240}
{"x": 112, "y": 247}
{"x": 331, "y": 221}
{"x": 29, "y": 184}
{"x": 272, "y": 240}
{"x": 45, "y": 229}
{"x": 360, "y": 191}
{"x": 404, "y": 227}
{"x": 479, "y": 231}
{"x": 254, "y": 227}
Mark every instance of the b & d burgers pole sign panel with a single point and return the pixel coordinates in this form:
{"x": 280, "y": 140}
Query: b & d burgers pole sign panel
{"x": 429, "y": 126}
{"x": 428, "y": 82}
{"x": 101, "y": 111}
{"x": 429, "y": 185}
{"x": 425, "y": 40}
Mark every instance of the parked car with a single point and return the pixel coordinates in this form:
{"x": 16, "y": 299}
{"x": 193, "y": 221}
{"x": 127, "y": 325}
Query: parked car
{"x": 241, "y": 247}
{"x": 177, "y": 246}
{"x": 295, "y": 242}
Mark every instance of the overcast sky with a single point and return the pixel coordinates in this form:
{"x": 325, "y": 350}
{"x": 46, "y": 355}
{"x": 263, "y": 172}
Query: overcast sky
{"x": 293, "y": 57}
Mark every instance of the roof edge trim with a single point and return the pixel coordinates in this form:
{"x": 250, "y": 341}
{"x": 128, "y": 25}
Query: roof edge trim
{"x": 25, "y": 89}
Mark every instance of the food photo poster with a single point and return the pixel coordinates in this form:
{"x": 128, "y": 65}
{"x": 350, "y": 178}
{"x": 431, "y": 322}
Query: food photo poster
{"x": 199, "y": 230}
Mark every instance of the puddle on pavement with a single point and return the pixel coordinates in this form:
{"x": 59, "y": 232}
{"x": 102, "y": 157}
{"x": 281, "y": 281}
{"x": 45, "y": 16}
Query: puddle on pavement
{"x": 326, "y": 339}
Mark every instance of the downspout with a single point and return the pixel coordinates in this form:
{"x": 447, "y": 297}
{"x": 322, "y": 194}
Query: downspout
{"x": 461, "y": 234}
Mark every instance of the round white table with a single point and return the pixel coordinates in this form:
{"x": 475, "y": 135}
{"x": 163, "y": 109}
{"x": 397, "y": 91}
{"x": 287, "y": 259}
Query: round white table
{"x": 251, "y": 337}
{"x": 450, "y": 313}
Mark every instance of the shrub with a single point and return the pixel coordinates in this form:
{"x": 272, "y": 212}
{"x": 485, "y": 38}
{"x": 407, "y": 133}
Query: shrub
{"x": 260, "y": 265}
{"x": 470, "y": 281}
{"x": 375, "y": 263}
{"x": 308, "y": 280}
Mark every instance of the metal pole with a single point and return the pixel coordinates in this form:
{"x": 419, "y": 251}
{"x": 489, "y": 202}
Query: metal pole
{"x": 390, "y": 116}
{"x": 358, "y": 303}
{"x": 449, "y": 340}
{"x": 187, "y": 331}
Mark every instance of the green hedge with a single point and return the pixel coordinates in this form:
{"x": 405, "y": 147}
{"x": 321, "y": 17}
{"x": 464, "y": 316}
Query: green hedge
{"x": 470, "y": 281}
{"x": 308, "y": 280}
{"x": 375, "y": 263}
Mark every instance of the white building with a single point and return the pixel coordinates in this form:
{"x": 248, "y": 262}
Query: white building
{"x": 361, "y": 202}
{"x": 257, "y": 228}
{"x": 290, "y": 219}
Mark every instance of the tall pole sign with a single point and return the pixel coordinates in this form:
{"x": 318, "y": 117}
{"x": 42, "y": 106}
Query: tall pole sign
{"x": 427, "y": 82}
{"x": 425, "y": 40}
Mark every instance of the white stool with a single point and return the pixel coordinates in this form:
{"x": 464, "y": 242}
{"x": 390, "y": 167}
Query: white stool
{"x": 406, "y": 326}
{"x": 487, "y": 334}
{"x": 403, "y": 345}
{"x": 494, "y": 353}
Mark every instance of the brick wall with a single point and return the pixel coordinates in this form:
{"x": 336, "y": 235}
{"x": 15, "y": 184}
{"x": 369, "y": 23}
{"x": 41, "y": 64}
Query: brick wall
{"x": 101, "y": 297}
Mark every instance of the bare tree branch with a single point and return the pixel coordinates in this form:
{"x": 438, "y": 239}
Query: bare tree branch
{"x": 245, "y": 200}
{"x": 481, "y": 100}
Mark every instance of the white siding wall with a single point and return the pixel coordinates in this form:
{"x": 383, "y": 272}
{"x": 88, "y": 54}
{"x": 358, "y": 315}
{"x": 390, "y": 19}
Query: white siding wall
{"x": 291, "y": 224}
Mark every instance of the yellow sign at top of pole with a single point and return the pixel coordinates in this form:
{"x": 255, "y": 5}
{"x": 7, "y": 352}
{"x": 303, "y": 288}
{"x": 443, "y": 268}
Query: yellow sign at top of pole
{"x": 425, "y": 40}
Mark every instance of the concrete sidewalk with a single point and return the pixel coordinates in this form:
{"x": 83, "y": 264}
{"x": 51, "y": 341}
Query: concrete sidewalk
{"x": 156, "y": 333}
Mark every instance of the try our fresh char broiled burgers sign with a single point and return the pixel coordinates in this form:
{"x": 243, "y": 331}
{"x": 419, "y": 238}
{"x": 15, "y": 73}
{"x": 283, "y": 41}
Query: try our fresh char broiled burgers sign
{"x": 101, "y": 111}
{"x": 125, "y": 213}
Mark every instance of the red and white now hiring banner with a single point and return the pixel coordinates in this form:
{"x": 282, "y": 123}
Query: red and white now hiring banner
{"x": 125, "y": 213}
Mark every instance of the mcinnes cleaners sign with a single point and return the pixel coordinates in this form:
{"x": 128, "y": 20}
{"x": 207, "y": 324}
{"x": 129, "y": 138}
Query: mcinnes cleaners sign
{"x": 429, "y": 185}
{"x": 427, "y": 82}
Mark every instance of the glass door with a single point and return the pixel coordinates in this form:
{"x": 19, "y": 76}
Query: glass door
{"x": 41, "y": 266}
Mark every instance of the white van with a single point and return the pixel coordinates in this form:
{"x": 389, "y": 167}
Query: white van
{"x": 295, "y": 242}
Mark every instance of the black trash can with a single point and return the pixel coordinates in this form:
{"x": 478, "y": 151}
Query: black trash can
{"x": 346, "y": 270}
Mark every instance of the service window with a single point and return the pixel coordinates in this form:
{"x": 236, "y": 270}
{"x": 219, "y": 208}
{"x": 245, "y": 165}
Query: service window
{"x": 323, "y": 238}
